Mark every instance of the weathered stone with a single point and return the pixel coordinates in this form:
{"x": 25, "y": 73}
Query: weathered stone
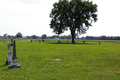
{"x": 9, "y": 55}
{"x": 14, "y": 62}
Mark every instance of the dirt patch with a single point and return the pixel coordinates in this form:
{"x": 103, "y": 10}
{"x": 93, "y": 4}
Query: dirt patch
{"x": 58, "y": 59}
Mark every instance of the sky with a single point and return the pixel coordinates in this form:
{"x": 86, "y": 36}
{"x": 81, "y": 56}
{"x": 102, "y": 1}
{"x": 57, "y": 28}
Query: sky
{"x": 31, "y": 17}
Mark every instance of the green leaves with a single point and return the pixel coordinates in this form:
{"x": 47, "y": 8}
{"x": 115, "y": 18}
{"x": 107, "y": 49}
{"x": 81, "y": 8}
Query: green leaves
{"x": 77, "y": 15}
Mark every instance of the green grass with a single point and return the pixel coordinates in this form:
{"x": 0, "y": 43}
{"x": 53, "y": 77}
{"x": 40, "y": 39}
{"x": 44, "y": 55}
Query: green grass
{"x": 89, "y": 61}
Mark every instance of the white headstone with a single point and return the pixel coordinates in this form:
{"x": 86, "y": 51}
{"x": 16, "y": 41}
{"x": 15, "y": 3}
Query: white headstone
{"x": 9, "y": 55}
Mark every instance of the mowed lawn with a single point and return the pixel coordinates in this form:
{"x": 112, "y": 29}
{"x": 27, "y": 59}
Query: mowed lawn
{"x": 89, "y": 61}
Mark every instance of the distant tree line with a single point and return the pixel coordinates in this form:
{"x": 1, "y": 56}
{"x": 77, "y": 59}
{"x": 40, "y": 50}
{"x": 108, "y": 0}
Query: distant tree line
{"x": 102, "y": 38}
{"x": 44, "y": 36}
{"x": 6, "y": 36}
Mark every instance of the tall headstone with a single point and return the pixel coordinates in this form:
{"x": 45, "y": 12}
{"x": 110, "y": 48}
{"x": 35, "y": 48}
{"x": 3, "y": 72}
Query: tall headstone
{"x": 9, "y": 55}
{"x": 14, "y": 62}
{"x": 11, "y": 42}
{"x": 99, "y": 41}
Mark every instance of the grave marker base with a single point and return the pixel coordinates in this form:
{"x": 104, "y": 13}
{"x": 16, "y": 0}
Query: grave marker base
{"x": 14, "y": 65}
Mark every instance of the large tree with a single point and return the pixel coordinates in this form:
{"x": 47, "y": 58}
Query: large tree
{"x": 75, "y": 15}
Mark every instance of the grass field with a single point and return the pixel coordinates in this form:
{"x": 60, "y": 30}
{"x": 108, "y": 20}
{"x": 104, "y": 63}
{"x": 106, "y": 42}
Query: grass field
{"x": 89, "y": 61}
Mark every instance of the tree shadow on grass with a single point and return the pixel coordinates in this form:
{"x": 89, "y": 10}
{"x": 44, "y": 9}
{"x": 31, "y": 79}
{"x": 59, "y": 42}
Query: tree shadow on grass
{"x": 75, "y": 43}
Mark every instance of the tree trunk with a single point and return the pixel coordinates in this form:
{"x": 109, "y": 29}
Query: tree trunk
{"x": 73, "y": 35}
{"x": 73, "y": 41}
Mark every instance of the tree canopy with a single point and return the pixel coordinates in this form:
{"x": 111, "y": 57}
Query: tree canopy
{"x": 75, "y": 15}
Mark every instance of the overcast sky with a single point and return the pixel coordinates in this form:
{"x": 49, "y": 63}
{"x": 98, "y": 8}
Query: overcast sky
{"x": 31, "y": 17}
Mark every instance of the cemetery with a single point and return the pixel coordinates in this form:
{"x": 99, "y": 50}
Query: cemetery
{"x": 60, "y": 61}
{"x": 59, "y": 57}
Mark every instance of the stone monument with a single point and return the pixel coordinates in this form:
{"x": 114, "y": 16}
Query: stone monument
{"x": 14, "y": 62}
{"x": 9, "y": 55}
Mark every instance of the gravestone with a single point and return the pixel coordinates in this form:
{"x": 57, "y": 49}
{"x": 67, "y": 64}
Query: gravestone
{"x": 9, "y": 55}
{"x": 83, "y": 42}
{"x": 67, "y": 41}
{"x": 43, "y": 40}
{"x": 39, "y": 41}
{"x": 14, "y": 62}
{"x": 11, "y": 42}
{"x": 99, "y": 41}
{"x": 58, "y": 41}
